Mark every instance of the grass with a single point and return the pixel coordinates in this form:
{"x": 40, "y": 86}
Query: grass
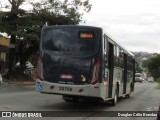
{"x": 158, "y": 81}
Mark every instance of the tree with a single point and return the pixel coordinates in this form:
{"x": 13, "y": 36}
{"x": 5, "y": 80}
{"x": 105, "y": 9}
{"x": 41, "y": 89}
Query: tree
{"x": 9, "y": 26}
{"x": 153, "y": 66}
{"x": 24, "y": 27}
{"x": 61, "y": 12}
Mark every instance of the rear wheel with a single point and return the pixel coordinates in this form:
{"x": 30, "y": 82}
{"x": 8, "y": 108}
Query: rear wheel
{"x": 128, "y": 95}
{"x": 70, "y": 98}
{"x": 115, "y": 99}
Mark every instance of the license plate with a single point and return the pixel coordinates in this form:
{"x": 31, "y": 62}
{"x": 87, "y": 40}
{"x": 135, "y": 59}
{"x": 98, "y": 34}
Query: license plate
{"x": 62, "y": 88}
{"x": 66, "y": 76}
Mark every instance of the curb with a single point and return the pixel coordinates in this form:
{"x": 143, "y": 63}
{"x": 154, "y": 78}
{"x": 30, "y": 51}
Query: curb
{"x": 17, "y": 84}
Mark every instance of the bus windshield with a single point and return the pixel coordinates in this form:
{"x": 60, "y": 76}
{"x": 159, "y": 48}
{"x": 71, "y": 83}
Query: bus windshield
{"x": 69, "y": 40}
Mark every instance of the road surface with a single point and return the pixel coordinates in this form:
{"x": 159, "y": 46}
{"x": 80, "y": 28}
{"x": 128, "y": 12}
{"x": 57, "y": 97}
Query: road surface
{"x": 146, "y": 97}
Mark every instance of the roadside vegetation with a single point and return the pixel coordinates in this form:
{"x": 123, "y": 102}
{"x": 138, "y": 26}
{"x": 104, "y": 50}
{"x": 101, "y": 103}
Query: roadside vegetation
{"x": 24, "y": 26}
{"x": 152, "y": 67}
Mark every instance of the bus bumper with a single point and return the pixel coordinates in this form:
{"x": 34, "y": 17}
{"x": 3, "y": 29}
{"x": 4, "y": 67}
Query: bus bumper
{"x": 88, "y": 90}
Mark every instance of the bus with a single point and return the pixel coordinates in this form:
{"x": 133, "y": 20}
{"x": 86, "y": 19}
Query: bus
{"x": 78, "y": 61}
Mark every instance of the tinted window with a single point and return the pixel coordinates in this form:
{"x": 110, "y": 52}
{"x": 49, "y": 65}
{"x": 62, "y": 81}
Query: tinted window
{"x": 69, "y": 40}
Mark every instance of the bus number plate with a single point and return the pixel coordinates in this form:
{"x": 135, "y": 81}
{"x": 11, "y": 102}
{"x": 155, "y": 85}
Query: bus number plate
{"x": 65, "y": 88}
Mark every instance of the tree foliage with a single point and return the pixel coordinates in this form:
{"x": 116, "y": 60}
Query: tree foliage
{"x": 24, "y": 26}
{"x": 153, "y": 66}
{"x": 61, "y": 12}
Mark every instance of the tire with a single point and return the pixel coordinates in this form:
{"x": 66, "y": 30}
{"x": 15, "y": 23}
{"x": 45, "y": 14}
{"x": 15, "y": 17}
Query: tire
{"x": 128, "y": 95}
{"x": 70, "y": 98}
{"x": 115, "y": 99}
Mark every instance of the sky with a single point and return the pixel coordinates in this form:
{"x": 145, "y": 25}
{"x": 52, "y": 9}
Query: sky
{"x": 135, "y": 24}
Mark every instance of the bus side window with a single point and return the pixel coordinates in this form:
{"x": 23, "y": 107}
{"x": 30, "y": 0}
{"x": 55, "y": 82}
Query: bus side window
{"x": 115, "y": 55}
{"x": 105, "y": 43}
{"x": 121, "y": 55}
{"x": 118, "y": 53}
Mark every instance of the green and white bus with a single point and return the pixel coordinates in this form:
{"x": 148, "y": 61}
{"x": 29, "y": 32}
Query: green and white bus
{"x": 78, "y": 61}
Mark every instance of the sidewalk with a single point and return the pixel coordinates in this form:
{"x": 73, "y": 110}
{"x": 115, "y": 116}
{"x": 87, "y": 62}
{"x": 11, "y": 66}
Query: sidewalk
{"x": 19, "y": 82}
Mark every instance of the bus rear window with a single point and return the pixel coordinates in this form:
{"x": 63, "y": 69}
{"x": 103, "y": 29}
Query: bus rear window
{"x": 70, "y": 40}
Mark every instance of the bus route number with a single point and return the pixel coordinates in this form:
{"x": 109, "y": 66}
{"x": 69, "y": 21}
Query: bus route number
{"x": 65, "y": 88}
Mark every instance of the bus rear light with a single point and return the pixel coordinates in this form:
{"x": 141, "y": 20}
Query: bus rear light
{"x": 95, "y": 75}
{"x": 40, "y": 69}
{"x": 83, "y": 78}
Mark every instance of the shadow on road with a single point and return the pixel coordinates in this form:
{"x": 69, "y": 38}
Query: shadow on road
{"x": 82, "y": 105}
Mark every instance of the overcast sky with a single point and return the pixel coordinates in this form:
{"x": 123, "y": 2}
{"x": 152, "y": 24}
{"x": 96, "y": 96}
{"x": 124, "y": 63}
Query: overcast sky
{"x": 135, "y": 24}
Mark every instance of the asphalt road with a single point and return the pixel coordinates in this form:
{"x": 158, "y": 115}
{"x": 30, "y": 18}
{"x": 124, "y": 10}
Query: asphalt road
{"x": 24, "y": 98}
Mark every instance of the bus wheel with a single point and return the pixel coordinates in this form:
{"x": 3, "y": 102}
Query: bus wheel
{"x": 70, "y": 98}
{"x": 127, "y": 96}
{"x": 115, "y": 99}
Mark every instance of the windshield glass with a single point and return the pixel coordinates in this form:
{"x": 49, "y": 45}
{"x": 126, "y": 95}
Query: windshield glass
{"x": 70, "y": 40}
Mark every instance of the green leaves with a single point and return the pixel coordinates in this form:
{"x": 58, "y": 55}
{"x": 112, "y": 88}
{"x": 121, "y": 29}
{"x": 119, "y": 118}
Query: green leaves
{"x": 153, "y": 66}
{"x": 25, "y": 27}
{"x": 52, "y": 10}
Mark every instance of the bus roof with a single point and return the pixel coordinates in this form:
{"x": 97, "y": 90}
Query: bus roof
{"x": 55, "y": 26}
